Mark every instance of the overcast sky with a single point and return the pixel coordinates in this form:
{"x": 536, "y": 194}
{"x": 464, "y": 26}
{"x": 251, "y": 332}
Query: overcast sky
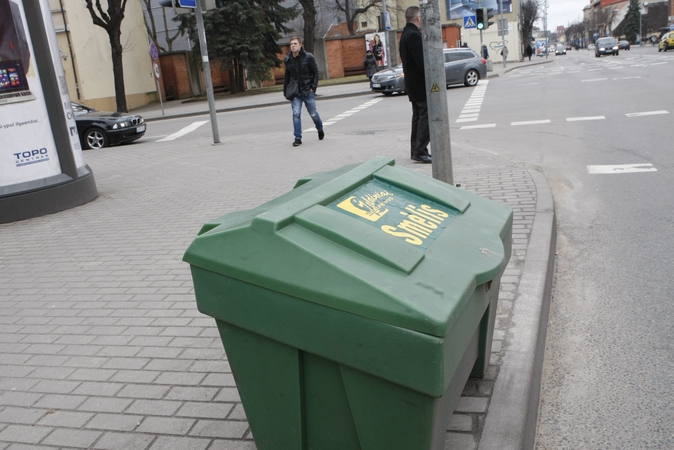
{"x": 564, "y": 12}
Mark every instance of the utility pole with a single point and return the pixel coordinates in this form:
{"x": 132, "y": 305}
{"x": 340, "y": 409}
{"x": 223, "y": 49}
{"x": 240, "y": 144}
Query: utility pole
{"x": 385, "y": 29}
{"x": 207, "y": 72}
{"x": 436, "y": 90}
{"x": 504, "y": 49}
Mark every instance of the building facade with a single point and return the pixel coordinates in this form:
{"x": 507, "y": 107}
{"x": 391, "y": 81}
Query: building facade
{"x": 85, "y": 50}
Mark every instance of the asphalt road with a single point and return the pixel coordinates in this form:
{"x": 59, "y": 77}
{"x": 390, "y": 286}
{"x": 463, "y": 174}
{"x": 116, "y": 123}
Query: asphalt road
{"x": 608, "y": 370}
{"x": 608, "y": 367}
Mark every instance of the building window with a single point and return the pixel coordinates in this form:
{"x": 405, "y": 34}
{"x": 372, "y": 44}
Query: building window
{"x": 363, "y": 24}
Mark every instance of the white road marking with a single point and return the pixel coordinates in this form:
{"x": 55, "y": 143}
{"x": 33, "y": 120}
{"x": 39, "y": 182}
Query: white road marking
{"x": 621, "y": 168}
{"x": 594, "y": 79}
{"x": 346, "y": 114}
{"x": 647, "y": 113}
{"x": 576, "y": 119}
{"x": 183, "y": 132}
{"x": 658, "y": 63}
{"x": 472, "y": 127}
{"x": 529, "y": 122}
{"x": 472, "y": 107}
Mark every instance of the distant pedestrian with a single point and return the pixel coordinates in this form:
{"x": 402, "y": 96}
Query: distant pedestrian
{"x": 412, "y": 55}
{"x": 370, "y": 65}
{"x": 529, "y": 51}
{"x": 299, "y": 86}
{"x": 485, "y": 52}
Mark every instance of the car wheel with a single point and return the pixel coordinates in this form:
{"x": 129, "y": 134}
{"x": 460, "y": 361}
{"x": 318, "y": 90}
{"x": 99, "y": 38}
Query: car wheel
{"x": 95, "y": 138}
{"x": 471, "y": 78}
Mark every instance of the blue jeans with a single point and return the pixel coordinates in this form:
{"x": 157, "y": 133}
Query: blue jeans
{"x": 309, "y": 100}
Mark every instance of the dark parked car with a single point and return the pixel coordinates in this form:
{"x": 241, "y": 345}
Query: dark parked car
{"x": 99, "y": 129}
{"x": 462, "y": 65}
{"x": 623, "y": 45}
{"x": 606, "y": 46}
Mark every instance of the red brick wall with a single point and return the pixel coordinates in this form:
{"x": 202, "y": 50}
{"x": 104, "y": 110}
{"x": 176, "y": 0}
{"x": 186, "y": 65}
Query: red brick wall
{"x": 353, "y": 52}
{"x": 451, "y": 35}
{"x": 174, "y": 78}
{"x": 333, "y": 50}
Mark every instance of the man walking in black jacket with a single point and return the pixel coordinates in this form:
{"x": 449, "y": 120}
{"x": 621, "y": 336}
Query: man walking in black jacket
{"x": 302, "y": 68}
{"x": 412, "y": 55}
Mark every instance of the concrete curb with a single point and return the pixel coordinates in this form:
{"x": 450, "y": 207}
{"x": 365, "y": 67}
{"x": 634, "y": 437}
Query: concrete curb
{"x": 513, "y": 409}
{"x": 258, "y": 105}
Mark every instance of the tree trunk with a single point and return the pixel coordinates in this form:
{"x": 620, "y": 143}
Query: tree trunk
{"x": 349, "y": 19}
{"x": 309, "y": 15}
{"x": 118, "y": 69}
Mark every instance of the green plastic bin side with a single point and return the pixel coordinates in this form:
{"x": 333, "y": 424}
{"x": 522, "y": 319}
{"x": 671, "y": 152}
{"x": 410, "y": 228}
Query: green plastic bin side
{"x": 307, "y": 388}
{"x": 317, "y": 310}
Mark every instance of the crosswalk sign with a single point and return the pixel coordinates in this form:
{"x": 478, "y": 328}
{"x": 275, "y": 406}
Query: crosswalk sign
{"x": 469, "y": 22}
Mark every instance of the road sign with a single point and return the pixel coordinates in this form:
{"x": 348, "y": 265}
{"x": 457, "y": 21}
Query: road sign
{"x": 155, "y": 66}
{"x": 469, "y": 22}
{"x": 187, "y": 3}
{"x": 153, "y": 51}
{"x": 502, "y": 27}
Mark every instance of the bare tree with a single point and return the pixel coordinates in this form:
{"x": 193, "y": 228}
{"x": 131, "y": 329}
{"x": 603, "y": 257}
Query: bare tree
{"x": 111, "y": 22}
{"x": 309, "y": 16}
{"x": 152, "y": 29}
{"x": 351, "y": 10}
{"x": 529, "y": 13}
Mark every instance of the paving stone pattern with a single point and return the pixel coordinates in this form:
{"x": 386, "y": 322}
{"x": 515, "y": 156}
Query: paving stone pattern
{"x": 101, "y": 344}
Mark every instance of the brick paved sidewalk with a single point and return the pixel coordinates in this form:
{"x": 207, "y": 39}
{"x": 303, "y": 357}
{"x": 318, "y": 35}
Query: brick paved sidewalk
{"x": 101, "y": 344}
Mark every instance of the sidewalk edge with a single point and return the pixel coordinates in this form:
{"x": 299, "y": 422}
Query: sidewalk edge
{"x": 513, "y": 410}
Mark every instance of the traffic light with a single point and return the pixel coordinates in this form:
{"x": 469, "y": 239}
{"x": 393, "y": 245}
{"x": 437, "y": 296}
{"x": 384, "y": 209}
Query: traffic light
{"x": 481, "y": 18}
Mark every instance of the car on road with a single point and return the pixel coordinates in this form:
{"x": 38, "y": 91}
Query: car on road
{"x": 99, "y": 129}
{"x": 667, "y": 42}
{"x": 389, "y": 81}
{"x": 561, "y": 50}
{"x": 606, "y": 46}
{"x": 462, "y": 65}
{"x": 623, "y": 45}
{"x": 591, "y": 47}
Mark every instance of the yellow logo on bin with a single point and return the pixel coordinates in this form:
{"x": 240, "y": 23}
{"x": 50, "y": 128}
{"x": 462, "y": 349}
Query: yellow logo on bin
{"x": 369, "y": 206}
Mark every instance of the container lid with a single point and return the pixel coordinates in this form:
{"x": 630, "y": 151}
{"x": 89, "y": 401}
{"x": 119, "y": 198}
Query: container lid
{"x": 374, "y": 239}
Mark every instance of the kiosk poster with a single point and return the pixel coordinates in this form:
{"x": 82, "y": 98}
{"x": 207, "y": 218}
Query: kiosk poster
{"x": 75, "y": 144}
{"x": 27, "y": 147}
{"x": 376, "y": 43}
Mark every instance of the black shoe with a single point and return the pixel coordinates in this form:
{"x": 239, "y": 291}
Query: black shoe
{"x": 321, "y": 135}
{"x": 297, "y": 142}
{"x": 422, "y": 159}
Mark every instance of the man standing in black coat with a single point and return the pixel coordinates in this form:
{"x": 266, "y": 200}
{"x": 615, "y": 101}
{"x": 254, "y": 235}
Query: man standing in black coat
{"x": 412, "y": 55}
{"x": 302, "y": 68}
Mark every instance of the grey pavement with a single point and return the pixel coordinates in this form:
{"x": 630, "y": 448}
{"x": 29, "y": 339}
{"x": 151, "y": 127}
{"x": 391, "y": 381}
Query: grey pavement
{"x": 101, "y": 344}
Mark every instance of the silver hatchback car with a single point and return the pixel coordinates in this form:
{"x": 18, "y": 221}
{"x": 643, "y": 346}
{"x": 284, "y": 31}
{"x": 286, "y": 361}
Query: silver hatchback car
{"x": 462, "y": 65}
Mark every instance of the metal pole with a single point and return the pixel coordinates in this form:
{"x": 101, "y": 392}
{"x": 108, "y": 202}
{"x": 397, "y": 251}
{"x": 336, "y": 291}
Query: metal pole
{"x": 503, "y": 33}
{"x": 387, "y": 53}
{"x": 436, "y": 90}
{"x": 207, "y": 73}
{"x": 161, "y": 102}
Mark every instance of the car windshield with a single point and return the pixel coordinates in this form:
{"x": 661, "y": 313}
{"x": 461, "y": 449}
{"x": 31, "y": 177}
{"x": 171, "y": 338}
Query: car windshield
{"x": 79, "y": 109}
{"x": 606, "y": 42}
